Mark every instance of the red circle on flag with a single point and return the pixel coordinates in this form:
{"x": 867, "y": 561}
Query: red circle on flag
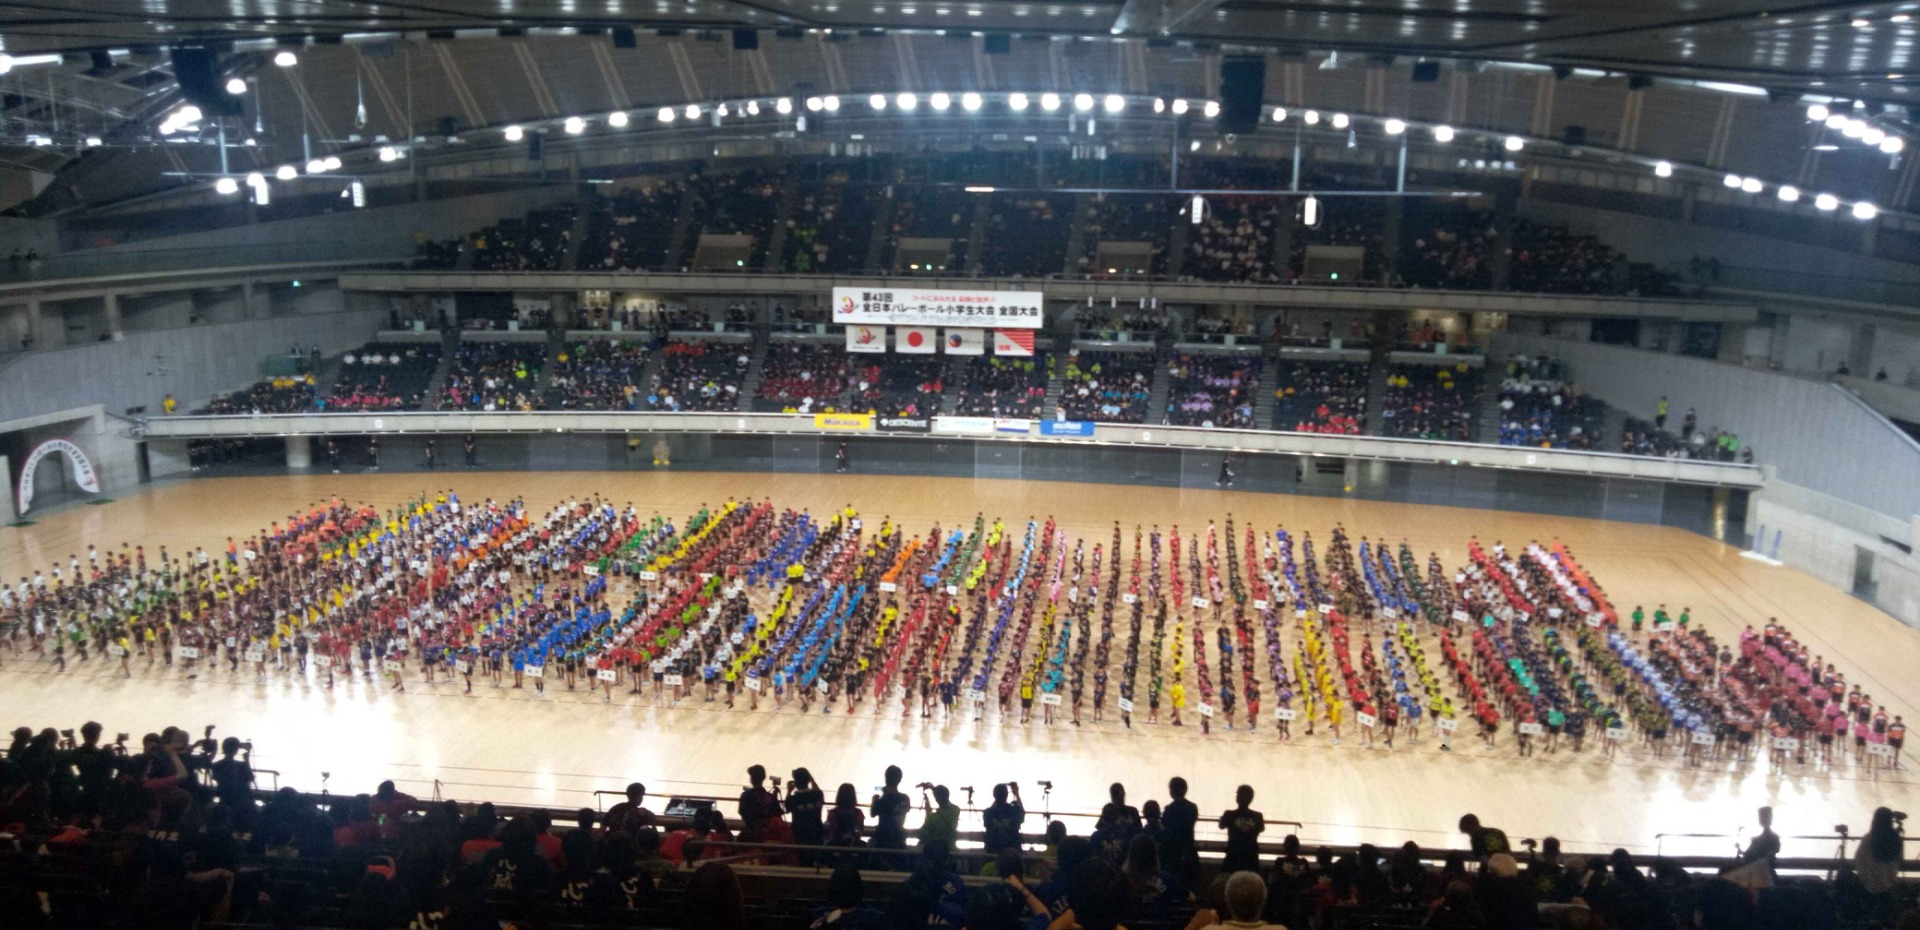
{"x": 916, "y": 338}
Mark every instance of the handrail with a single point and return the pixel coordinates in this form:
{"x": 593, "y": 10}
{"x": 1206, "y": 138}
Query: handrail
{"x": 949, "y": 429}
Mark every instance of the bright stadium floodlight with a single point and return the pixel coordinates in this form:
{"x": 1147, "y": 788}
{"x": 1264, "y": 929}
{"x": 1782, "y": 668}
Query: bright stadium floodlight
{"x": 666, "y": 115}
{"x": 1818, "y": 112}
{"x": 226, "y": 186}
{"x": 1514, "y": 143}
{"x": 1663, "y": 169}
{"x": 1443, "y": 133}
{"x": 1312, "y": 117}
{"x": 317, "y": 166}
{"x": 1212, "y": 109}
{"x": 1826, "y": 202}
{"x": 1395, "y": 127}
{"x": 753, "y": 108}
{"x": 693, "y": 111}
{"x": 1340, "y": 121}
{"x": 236, "y": 86}
{"x": 783, "y": 106}
{"x": 389, "y": 154}
{"x": 1310, "y": 212}
{"x": 877, "y": 101}
{"x": 939, "y": 101}
{"x": 830, "y": 103}
{"x": 1873, "y": 136}
{"x": 1114, "y": 103}
{"x": 574, "y": 125}
{"x": 1788, "y": 193}
{"x": 513, "y": 133}
{"x": 256, "y": 179}
{"x": 907, "y": 101}
{"x": 1017, "y": 102}
{"x": 331, "y": 162}
{"x": 1751, "y": 185}
{"x": 286, "y": 59}
{"x": 970, "y": 102}
{"x": 1731, "y": 180}
{"x": 1180, "y": 106}
{"x": 617, "y": 119}
{"x": 1893, "y": 145}
{"x": 1865, "y": 211}
{"x": 1836, "y": 121}
{"x": 813, "y": 104}
{"x": 1049, "y": 102}
{"x": 1083, "y": 102}
{"x": 286, "y": 172}
{"x": 1279, "y": 114}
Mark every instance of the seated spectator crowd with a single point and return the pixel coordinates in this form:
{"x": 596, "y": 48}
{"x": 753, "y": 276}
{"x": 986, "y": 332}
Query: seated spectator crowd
{"x": 176, "y": 833}
{"x": 802, "y": 377}
{"x": 598, "y": 374}
{"x": 384, "y": 376}
{"x": 1212, "y": 390}
{"x": 491, "y": 376}
{"x": 999, "y": 386}
{"x": 1106, "y": 386}
{"x": 699, "y": 375}
{"x": 1321, "y": 397}
{"x": 1429, "y": 402}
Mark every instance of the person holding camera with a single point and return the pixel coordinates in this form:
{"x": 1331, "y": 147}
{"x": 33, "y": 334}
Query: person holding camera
{"x": 1877, "y": 860}
{"x": 941, "y": 826}
{"x": 1003, "y": 818}
{"x": 233, "y": 775}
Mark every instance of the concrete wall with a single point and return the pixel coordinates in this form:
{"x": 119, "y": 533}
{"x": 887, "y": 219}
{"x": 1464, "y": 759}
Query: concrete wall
{"x": 192, "y": 363}
{"x": 1817, "y": 435}
{"x": 107, "y": 442}
{"x": 1824, "y": 537}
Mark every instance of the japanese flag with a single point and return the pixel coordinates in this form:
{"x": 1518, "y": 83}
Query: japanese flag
{"x": 1013, "y": 342}
{"x": 965, "y": 342}
{"x": 916, "y": 340}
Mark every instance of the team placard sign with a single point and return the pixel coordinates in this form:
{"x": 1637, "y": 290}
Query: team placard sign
{"x": 904, "y": 306}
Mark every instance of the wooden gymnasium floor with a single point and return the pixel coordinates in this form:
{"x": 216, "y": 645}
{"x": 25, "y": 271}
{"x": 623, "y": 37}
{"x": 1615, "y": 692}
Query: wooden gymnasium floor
{"x": 501, "y": 745}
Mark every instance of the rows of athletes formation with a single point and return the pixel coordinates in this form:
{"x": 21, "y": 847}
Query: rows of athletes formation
{"x": 779, "y": 605}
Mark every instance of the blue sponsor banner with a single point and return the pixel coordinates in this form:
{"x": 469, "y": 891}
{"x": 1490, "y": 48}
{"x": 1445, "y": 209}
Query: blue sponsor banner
{"x": 1066, "y": 428}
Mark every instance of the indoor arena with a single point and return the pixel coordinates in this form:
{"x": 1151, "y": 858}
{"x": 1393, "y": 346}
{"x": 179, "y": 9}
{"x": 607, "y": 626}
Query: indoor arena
{"x": 977, "y": 465}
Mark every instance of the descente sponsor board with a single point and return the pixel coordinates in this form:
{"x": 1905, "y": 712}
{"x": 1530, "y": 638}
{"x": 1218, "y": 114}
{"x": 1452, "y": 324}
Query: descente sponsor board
{"x": 905, "y": 424}
{"x": 843, "y": 421}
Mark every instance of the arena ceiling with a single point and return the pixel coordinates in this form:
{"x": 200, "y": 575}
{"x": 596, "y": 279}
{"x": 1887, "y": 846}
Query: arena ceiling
{"x": 1722, "y": 84}
{"x": 1859, "y": 48}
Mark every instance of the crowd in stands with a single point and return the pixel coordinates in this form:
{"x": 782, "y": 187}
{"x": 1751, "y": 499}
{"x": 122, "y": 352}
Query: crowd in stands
{"x": 1540, "y": 407}
{"x": 1321, "y": 397}
{"x": 1430, "y": 402}
{"x": 1458, "y": 248}
{"x": 1137, "y": 324}
{"x": 803, "y": 377}
{"x": 437, "y": 255}
{"x": 741, "y": 203}
{"x": 178, "y": 833}
{"x": 699, "y": 375}
{"x": 1207, "y": 325}
{"x": 900, "y": 385}
{"x": 930, "y": 213}
{"x": 597, "y": 374}
{"x": 384, "y": 376}
{"x": 1126, "y": 218}
{"x": 1641, "y": 437}
{"x": 1349, "y": 221}
{"x": 1212, "y": 390}
{"x": 631, "y": 229}
{"x": 279, "y": 394}
{"x": 1234, "y": 241}
{"x": 489, "y": 376}
{"x": 537, "y": 242}
{"x": 831, "y": 228}
{"x": 1002, "y": 386}
{"x": 1106, "y": 386}
{"x": 1026, "y": 235}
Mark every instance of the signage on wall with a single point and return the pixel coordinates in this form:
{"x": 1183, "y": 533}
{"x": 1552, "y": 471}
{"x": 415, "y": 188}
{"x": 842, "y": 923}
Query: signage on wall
{"x": 1066, "y": 428}
{"x": 843, "y": 421}
{"x": 907, "y": 306}
{"x": 77, "y": 464}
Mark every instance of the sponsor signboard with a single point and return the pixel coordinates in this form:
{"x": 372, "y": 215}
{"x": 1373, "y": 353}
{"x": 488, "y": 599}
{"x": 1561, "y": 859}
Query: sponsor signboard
{"x": 1066, "y": 428}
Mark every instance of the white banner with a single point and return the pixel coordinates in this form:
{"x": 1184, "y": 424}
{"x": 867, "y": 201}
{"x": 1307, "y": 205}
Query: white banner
{"x": 963, "y": 424}
{"x": 77, "y": 465}
{"x": 965, "y": 342}
{"x": 908, "y": 306}
{"x": 1012, "y": 342}
{"x": 916, "y": 340}
{"x": 866, "y": 339}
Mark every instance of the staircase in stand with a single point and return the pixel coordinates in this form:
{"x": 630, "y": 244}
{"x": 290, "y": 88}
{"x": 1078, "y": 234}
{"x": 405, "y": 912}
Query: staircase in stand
{"x": 1269, "y": 383}
{"x": 1162, "y": 386}
{"x": 436, "y": 385}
